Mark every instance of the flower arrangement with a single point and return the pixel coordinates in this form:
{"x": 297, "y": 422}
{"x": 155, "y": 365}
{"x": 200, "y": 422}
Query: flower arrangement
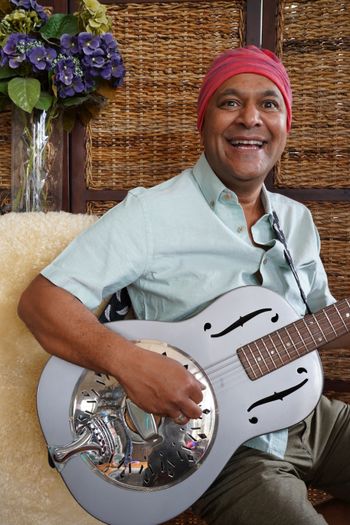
{"x": 57, "y": 61}
{"x": 52, "y": 66}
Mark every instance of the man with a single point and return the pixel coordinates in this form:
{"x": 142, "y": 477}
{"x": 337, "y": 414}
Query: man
{"x": 180, "y": 245}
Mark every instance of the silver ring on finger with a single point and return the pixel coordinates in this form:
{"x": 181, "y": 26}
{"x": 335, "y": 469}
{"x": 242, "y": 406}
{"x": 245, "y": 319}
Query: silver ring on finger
{"x": 181, "y": 418}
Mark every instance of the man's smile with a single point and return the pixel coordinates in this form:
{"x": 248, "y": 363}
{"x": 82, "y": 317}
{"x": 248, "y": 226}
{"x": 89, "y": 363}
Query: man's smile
{"x": 248, "y": 144}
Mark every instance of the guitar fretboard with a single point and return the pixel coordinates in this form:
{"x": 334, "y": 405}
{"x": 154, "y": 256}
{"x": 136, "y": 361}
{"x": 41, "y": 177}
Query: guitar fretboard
{"x": 279, "y": 348}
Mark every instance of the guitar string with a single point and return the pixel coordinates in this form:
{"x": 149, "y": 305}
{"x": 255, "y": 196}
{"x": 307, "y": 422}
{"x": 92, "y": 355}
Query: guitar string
{"x": 219, "y": 366}
{"x": 303, "y": 343}
{"x": 236, "y": 366}
{"x": 296, "y": 348}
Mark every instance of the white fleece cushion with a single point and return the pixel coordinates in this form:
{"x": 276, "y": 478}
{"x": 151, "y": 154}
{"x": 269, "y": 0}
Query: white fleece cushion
{"x": 32, "y": 493}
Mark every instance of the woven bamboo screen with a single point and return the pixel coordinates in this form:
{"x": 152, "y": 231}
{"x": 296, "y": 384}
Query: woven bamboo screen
{"x": 5, "y": 157}
{"x": 332, "y": 220}
{"x": 148, "y": 132}
{"x": 313, "y": 41}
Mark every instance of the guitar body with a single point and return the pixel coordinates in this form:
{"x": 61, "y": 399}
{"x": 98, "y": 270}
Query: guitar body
{"x": 235, "y": 408}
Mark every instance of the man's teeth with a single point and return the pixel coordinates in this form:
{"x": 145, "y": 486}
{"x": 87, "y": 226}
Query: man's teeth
{"x": 257, "y": 143}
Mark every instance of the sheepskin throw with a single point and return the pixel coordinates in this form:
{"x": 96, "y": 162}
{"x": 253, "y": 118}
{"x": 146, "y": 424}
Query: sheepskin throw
{"x": 31, "y": 492}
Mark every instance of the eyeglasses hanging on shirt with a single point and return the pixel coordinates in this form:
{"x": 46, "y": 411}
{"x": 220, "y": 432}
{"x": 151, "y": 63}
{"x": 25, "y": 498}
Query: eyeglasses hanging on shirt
{"x": 281, "y": 237}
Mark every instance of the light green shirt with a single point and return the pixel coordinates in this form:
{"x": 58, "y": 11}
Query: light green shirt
{"x": 181, "y": 244}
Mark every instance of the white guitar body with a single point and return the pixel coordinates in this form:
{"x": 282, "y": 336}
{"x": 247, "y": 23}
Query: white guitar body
{"x": 244, "y": 407}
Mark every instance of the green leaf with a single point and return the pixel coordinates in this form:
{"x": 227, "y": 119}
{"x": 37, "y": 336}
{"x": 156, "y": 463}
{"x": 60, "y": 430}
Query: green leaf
{"x": 7, "y": 72}
{"x": 24, "y": 92}
{"x": 3, "y": 87}
{"x": 59, "y": 24}
{"x": 45, "y": 101}
{"x": 74, "y": 101}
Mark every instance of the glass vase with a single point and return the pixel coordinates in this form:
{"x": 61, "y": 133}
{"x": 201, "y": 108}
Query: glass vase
{"x": 37, "y": 160}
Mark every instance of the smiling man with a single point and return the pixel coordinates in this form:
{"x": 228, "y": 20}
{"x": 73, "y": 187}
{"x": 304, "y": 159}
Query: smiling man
{"x": 180, "y": 245}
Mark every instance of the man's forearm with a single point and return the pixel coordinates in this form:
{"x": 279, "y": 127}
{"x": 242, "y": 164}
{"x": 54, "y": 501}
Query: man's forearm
{"x": 66, "y": 328}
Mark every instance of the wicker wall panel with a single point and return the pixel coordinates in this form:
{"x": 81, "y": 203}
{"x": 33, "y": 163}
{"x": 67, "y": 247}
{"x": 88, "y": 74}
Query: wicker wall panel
{"x": 332, "y": 220}
{"x": 5, "y": 158}
{"x": 314, "y": 42}
{"x": 148, "y": 132}
{"x": 99, "y": 207}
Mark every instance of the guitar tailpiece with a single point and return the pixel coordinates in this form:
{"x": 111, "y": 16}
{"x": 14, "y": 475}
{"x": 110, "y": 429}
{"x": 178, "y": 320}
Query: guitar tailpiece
{"x": 95, "y": 436}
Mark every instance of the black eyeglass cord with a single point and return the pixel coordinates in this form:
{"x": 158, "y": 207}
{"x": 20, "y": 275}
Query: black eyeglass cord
{"x": 281, "y": 237}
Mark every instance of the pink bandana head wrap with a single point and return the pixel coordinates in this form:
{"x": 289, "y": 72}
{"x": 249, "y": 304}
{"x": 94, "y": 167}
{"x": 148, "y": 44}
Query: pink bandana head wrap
{"x": 248, "y": 59}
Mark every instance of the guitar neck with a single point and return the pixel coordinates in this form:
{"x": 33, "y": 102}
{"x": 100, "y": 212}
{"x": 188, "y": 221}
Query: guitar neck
{"x": 283, "y": 346}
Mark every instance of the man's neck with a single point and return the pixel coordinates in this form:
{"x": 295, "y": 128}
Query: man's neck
{"x": 253, "y": 208}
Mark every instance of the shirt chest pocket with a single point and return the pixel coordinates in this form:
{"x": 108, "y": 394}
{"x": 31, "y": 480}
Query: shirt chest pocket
{"x": 306, "y": 274}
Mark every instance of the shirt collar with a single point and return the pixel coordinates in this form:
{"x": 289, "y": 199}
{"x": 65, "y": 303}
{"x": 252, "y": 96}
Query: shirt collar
{"x": 212, "y": 187}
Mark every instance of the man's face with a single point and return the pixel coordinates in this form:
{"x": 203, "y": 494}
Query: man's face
{"x": 245, "y": 129}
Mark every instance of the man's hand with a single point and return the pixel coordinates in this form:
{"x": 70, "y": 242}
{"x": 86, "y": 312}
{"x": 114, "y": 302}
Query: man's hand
{"x": 160, "y": 385}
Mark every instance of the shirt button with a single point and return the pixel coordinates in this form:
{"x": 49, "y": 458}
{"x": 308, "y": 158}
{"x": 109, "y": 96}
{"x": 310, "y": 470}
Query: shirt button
{"x": 240, "y": 229}
{"x": 212, "y": 204}
{"x": 265, "y": 261}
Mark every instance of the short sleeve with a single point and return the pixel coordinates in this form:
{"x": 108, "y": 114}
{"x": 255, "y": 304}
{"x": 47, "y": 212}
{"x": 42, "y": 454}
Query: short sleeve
{"x": 109, "y": 255}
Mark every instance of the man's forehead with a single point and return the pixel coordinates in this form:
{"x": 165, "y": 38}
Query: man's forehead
{"x": 249, "y": 82}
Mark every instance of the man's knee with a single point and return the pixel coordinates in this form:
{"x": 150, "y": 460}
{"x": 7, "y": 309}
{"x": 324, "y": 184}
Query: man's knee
{"x": 264, "y": 498}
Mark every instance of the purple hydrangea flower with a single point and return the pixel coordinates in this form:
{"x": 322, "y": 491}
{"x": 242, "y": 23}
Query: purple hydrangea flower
{"x": 14, "y": 51}
{"x": 118, "y": 72}
{"x": 88, "y": 43}
{"x": 64, "y": 71}
{"x": 94, "y": 62}
{"x": 69, "y": 44}
{"x": 41, "y": 57}
{"x": 3, "y": 58}
{"x": 76, "y": 86}
{"x": 69, "y": 77}
{"x": 108, "y": 43}
{"x": 31, "y": 5}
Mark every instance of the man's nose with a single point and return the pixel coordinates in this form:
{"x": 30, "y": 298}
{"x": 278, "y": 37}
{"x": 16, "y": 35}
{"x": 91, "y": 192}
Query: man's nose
{"x": 249, "y": 115}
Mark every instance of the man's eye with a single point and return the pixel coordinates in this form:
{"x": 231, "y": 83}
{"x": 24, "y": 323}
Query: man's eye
{"x": 229, "y": 103}
{"x": 270, "y": 104}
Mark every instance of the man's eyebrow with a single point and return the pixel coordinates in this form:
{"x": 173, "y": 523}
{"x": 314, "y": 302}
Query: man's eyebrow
{"x": 237, "y": 92}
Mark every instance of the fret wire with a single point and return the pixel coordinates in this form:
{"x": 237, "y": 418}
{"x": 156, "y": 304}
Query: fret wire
{"x": 256, "y": 361}
{"x": 283, "y": 344}
{"x": 310, "y": 332}
{"x": 253, "y": 365}
{"x": 344, "y": 306}
{"x": 331, "y": 325}
{"x": 289, "y": 330}
{"x": 318, "y": 336}
{"x": 318, "y": 324}
{"x": 275, "y": 347}
{"x": 303, "y": 339}
{"x": 341, "y": 317}
{"x": 261, "y": 355}
{"x": 268, "y": 353}
{"x": 248, "y": 363}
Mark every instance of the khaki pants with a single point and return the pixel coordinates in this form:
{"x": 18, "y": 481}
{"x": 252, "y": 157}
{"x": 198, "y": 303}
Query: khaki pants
{"x": 256, "y": 488}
